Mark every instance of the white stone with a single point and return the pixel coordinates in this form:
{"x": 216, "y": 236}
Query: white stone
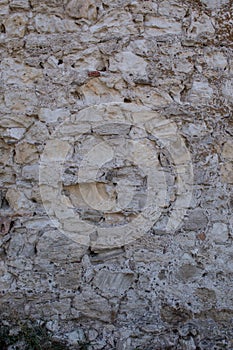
{"x": 128, "y": 63}
{"x": 162, "y": 25}
{"x": 227, "y": 89}
{"x": 50, "y": 116}
{"x": 15, "y": 133}
{"x": 76, "y": 336}
{"x": 31, "y": 172}
{"x": 200, "y": 92}
{"x": 200, "y": 25}
{"x": 216, "y": 60}
{"x": 214, "y": 4}
{"x": 26, "y": 153}
{"x": 219, "y": 232}
{"x": 171, "y": 8}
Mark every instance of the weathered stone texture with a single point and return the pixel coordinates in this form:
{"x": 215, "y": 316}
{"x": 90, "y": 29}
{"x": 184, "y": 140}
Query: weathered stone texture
{"x": 144, "y": 80}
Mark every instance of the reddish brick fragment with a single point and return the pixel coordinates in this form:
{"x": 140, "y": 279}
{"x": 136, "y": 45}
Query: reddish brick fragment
{"x": 94, "y": 73}
{"x": 201, "y": 236}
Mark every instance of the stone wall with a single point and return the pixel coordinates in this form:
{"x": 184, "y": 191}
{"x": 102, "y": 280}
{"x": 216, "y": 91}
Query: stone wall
{"x": 116, "y": 171}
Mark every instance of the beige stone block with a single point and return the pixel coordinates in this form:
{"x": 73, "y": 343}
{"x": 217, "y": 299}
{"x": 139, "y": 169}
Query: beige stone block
{"x": 114, "y": 283}
{"x": 227, "y": 151}
{"x": 82, "y": 9}
{"x": 16, "y": 25}
{"x": 227, "y": 172}
{"x": 96, "y": 92}
{"x": 18, "y": 201}
{"x": 26, "y": 153}
{"x": 5, "y": 153}
{"x": 92, "y": 306}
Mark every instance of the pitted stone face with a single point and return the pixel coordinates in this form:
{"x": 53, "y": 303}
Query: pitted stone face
{"x": 101, "y": 174}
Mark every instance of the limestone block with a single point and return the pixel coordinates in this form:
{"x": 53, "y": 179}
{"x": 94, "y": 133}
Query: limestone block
{"x": 162, "y": 25}
{"x": 200, "y": 25}
{"x": 69, "y": 278}
{"x": 5, "y": 153}
{"x": 214, "y": 4}
{"x": 56, "y": 247}
{"x": 153, "y": 97}
{"x": 129, "y": 63}
{"x": 19, "y": 4}
{"x": 216, "y": 60}
{"x": 48, "y": 307}
{"x": 92, "y": 306}
{"x": 50, "y": 116}
{"x": 82, "y": 9}
{"x": 4, "y": 7}
{"x": 26, "y": 153}
{"x": 16, "y": 73}
{"x": 219, "y": 233}
{"x": 200, "y": 92}
{"x": 227, "y": 89}
{"x": 171, "y": 8}
{"x": 196, "y": 220}
{"x": 227, "y": 172}
{"x": 76, "y": 336}
{"x": 31, "y": 172}
{"x": 188, "y": 272}
{"x": 96, "y": 91}
{"x": 227, "y": 152}
{"x": 53, "y": 24}
{"x": 109, "y": 24}
{"x": 16, "y": 120}
{"x": 6, "y": 277}
{"x": 38, "y": 133}
{"x": 14, "y": 134}
{"x": 21, "y": 100}
{"x": 16, "y": 25}
{"x": 182, "y": 63}
{"x": 18, "y": 201}
{"x": 115, "y": 283}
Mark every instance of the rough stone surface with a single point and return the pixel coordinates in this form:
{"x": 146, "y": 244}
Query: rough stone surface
{"x": 100, "y": 239}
